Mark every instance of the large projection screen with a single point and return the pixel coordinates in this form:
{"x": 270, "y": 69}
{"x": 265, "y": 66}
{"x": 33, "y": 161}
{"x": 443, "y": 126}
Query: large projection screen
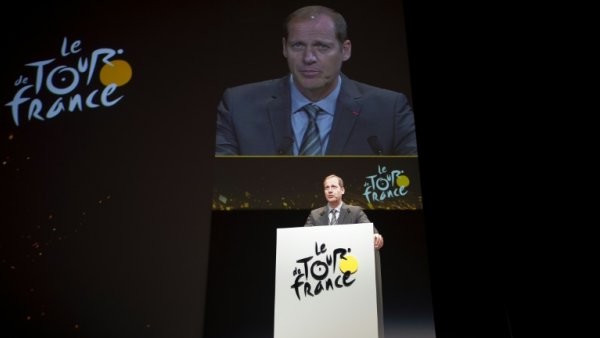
{"x": 254, "y": 195}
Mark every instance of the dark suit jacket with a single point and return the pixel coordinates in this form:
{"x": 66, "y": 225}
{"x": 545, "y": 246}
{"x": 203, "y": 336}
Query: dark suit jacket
{"x": 255, "y": 119}
{"x": 349, "y": 214}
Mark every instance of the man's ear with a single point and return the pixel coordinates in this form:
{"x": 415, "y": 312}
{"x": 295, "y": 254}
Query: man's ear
{"x": 346, "y": 50}
{"x": 283, "y": 43}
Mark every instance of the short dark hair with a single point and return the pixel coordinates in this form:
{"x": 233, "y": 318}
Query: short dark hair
{"x": 340, "y": 180}
{"x": 341, "y": 28}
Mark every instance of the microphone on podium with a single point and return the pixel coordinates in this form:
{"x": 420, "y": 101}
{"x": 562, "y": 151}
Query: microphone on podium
{"x": 375, "y": 145}
{"x": 285, "y": 146}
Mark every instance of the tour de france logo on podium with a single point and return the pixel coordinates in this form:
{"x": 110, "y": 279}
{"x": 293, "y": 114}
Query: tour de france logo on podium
{"x": 324, "y": 271}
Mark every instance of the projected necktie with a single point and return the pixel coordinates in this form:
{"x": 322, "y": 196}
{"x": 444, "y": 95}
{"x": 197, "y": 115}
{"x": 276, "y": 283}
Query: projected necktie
{"x": 311, "y": 143}
{"x": 333, "y": 220}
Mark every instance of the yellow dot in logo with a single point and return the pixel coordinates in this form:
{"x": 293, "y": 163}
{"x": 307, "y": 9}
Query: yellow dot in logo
{"x": 117, "y": 72}
{"x": 350, "y": 264}
{"x": 402, "y": 181}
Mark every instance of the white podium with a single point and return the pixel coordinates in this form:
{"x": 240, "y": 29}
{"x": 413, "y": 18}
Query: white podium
{"x": 326, "y": 282}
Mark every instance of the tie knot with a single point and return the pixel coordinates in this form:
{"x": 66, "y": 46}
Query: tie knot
{"x": 311, "y": 110}
{"x": 333, "y": 219}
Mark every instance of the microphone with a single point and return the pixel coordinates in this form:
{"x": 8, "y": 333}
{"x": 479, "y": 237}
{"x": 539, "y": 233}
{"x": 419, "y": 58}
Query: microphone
{"x": 375, "y": 145}
{"x": 285, "y": 146}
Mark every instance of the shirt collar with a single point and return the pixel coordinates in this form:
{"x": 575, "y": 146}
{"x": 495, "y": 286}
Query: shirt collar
{"x": 339, "y": 208}
{"x": 327, "y": 104}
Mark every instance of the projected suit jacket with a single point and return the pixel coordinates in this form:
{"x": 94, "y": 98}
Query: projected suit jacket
{"x": 255, "y": 119}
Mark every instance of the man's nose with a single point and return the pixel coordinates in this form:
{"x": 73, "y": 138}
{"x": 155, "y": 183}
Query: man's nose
{"x": 309, "y": 56}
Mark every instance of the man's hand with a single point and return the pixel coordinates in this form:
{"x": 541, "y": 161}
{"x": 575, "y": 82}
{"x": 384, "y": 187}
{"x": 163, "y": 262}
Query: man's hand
{"x": 378, "y": 241}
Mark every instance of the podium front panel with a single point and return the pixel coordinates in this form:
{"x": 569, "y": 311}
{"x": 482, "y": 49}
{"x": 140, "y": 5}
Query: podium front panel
{"x": 325, "y": 282}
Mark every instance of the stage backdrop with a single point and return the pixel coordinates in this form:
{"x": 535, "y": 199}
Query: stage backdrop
{"x": 105, "y": 128}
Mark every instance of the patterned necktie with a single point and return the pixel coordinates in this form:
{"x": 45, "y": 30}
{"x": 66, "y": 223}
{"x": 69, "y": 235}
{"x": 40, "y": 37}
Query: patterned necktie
{"x": 333, "y": 220}
{"x": 311, "y": 143}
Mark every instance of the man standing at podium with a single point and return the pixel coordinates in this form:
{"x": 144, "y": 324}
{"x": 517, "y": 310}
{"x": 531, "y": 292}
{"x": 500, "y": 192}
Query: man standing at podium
{"x": 338, "y": 212}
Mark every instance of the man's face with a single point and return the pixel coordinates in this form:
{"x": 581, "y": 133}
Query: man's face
{"x": 333, "y": 191}
{"x": 314, "y": 55}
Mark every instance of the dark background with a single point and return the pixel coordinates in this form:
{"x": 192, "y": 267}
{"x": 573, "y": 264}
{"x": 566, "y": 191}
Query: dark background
{"x": 105, "y": 214}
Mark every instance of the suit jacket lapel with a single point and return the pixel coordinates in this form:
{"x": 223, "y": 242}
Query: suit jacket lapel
{"x": 346, "y": 114}
{"x": 279, "y": 110}
{"x": 343, "y": 217}
{"x": 324, "y": 219}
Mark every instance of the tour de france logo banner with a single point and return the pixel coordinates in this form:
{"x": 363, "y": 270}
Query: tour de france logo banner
{"x": 372, "y": 182}
{"x": 325, "y": 284}
{"x": 75, "y": 79}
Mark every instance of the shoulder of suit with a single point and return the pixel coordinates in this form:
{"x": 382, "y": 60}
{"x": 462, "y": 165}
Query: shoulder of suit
{"x": 352, "y": 207}
{"x": 252, "y": 92}
{"x": 260, "y": 85}
{"x": 368, "y": 90}
{"x": 320, "y": 210}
